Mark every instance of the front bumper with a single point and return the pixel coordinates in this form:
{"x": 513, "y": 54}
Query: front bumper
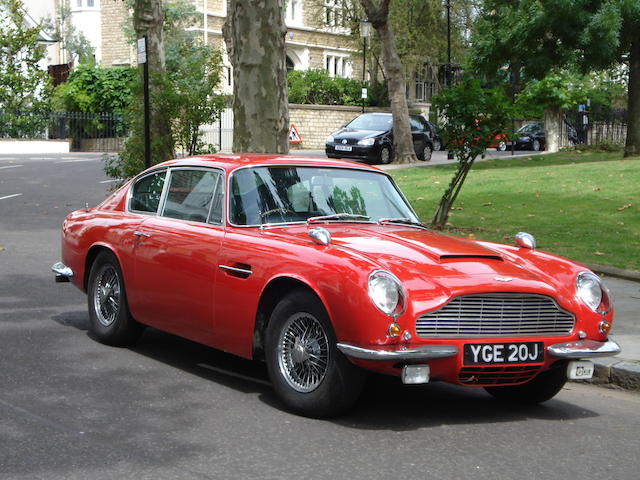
{"x": 398, "y": 353}
{"x": 362, "y": 153}
{"x": 584, "y": 349}
{"x": 63, "y": 273}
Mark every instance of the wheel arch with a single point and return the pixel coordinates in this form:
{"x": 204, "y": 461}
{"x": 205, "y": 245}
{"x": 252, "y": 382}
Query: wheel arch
{"x": 274, "y": 291}
{"x": 92, "y": 254}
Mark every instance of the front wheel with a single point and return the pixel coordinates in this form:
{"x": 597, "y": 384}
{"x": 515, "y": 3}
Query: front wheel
{"x": 542, "y": 388}
{"x": 309, "y": 374}
{"x": 535, "y": 145}
{"x": 502, "y": 146}
{"x": 109, "y": 319}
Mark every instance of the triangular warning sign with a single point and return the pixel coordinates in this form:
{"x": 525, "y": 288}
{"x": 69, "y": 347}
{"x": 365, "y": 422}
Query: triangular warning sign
{"x": 294, "y": 136}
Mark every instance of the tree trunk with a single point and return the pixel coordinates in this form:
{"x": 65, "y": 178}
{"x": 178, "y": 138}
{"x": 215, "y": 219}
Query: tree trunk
{"x": 378, "y": 15}
{"x": 148, "y": 19}
{"x": 552, "y": 128}
{"x": 632, "y": 145}
{"x": 254, "y": 33}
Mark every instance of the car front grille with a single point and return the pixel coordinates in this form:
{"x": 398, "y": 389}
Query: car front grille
{"x": 496, "y": 315}
{"x": 497, "y": 375}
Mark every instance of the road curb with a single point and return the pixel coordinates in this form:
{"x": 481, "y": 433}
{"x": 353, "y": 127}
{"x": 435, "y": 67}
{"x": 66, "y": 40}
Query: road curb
{"x": 614, "y": 271}
{"x": 618, "y": 372}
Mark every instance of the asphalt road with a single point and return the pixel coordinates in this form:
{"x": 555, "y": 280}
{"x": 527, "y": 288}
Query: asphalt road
{"x": 71, "y": 408}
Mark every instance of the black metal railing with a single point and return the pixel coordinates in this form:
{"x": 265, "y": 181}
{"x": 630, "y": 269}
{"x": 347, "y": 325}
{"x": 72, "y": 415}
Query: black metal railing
{"x": 97, "y": 132}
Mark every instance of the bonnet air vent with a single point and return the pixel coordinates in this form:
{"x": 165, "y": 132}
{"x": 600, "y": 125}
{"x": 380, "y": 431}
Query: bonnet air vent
{"x": 470, "y": 257}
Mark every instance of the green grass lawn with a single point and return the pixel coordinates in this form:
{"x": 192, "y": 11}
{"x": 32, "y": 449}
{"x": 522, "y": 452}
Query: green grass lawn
{"x": 581, "y": 205}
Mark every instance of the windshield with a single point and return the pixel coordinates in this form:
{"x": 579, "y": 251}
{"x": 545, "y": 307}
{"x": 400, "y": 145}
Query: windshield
{"x": 529, "y": 128}
{"x": 371, "y": 121}
{"x": 264, "y": 195}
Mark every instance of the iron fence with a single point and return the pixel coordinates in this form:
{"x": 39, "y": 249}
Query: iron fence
{"x": 88, "y": 132}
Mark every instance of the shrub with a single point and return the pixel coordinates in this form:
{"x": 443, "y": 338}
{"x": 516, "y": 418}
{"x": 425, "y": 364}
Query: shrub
{"x": 317, "y": 87}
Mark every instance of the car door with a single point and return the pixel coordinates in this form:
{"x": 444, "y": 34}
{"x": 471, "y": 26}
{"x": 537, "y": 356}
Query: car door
{"x": 418, "y": 134}
{"x": 177, "y": 252}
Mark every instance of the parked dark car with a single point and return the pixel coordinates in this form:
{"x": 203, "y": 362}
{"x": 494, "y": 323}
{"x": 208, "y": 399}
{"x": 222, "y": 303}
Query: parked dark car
{"x": 369, "y": 138}
{"x": 436, "y": 139}
{"x": 531, "y": 136}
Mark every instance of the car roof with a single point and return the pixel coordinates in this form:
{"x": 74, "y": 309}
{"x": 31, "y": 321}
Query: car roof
{"x": 232, "y": 161}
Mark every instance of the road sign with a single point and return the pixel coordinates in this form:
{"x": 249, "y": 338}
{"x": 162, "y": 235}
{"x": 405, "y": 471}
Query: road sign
{"x": 294, "y": 136}
{"x": 142, "y": 50}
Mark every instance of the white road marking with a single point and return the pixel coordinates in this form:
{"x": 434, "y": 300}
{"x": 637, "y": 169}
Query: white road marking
{"x": 78, "y": 160}
{"x": 110, "y": 181}
{"x": 11, "y": 166}
{"x": 10, "y": 196}
{"x": 12, "y": 159}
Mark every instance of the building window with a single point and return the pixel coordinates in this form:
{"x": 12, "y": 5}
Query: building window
{"x": 426, "y": 86}
{"x": 338, "y": 66}
{"x": 90, "y": 3}
{"x": 334, "y": 13}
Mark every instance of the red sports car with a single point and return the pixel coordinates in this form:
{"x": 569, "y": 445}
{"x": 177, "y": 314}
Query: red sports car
{"x": 322, "y": 269}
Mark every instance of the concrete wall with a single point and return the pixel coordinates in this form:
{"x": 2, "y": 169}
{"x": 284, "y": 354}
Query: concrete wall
{"x": 315, "y": 122}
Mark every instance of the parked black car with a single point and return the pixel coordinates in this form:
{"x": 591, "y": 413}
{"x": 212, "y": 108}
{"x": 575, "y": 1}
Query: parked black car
{"x": 531, "y": 136}
{"x": 436, "y": 139}
{"x": 369, "y": 138}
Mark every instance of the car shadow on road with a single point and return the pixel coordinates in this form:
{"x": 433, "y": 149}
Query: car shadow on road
{"x": 385, "y": 403}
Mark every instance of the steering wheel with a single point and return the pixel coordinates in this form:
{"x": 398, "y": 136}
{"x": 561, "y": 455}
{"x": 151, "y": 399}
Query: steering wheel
{"x": 282, "y": 211}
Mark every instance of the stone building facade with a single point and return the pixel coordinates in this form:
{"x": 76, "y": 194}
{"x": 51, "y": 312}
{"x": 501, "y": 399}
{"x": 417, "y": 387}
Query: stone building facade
{"x": 310, "y": 45}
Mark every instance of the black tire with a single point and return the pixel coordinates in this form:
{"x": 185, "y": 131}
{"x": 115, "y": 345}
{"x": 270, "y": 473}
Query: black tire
{"x": 502, "y": 146}
{"x": 536, "y": 145}
{"x": 109, "y": 319}
{"x": 542, "y": 388}
{"x": 313, "y": 379}
{"x": 426, "y": 153}
{"x": 385, "y": 155}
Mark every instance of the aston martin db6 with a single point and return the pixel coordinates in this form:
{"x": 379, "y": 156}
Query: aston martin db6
{"x": 322, "y": 269}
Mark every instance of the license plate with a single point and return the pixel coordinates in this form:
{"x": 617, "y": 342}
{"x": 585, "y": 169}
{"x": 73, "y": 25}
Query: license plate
{"x": 344, "y": 148}
{"x": 580, "y": 370}
{"x": 503, "y": 353}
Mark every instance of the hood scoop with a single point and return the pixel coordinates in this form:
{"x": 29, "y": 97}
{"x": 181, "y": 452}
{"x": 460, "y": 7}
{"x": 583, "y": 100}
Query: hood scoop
{"x": 453, "y": 257}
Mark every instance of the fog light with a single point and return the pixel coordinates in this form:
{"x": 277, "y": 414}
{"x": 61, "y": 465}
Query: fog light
{"x": 604, "y": 327}
{"x": 394, "y": 330}
{"x": 415, "y": 374}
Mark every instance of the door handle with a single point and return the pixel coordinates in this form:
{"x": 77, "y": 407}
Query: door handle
{"x": 141, "y": 234}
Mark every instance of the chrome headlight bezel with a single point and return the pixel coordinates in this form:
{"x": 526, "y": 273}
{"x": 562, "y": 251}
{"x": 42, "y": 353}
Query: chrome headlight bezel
{"x": 592, "y": 292}
{"x": 367, "y": 142}
{"x": 387, "y": 293}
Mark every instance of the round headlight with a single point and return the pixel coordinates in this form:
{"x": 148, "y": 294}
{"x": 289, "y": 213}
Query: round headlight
{"x": 367, "y": 142}
{"x": 386, "y": 293}
{"x": 330, "y": 139}
{"x": 591, "y": 291}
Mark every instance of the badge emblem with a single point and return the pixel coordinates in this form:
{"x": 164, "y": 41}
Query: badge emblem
{"x": 503, "y": 279}
{"x": 344, "y": 140}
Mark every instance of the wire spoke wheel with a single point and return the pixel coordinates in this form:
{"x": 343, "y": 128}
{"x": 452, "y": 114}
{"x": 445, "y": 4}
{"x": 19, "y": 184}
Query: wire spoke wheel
{"x": 303, "y": 352}
{"x": 106, "y": 297}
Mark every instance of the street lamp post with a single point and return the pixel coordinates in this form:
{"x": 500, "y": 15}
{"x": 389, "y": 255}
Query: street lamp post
{"x": 365, "y": 31}
{"x": 447, "y": 73}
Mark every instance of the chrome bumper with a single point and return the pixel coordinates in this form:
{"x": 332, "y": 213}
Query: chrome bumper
{"x": 398, "y": 353}
{"x": 63, "y": 273}
{"x": 584, "y": 349}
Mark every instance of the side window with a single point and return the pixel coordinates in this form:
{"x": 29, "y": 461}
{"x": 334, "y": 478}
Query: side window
{"x": 189, "y": 194}
{"x": 146, "y": 193}
{"x": 415, "y": 124}
{"x": 218, "y": 202}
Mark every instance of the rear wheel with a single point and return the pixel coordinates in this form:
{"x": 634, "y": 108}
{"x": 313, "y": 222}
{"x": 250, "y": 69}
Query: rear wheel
{"x": 542, "y": 388}
{"x": 502, "y": 146}
{"x": 309, "y": 374}
{"x": 437, "y": 145}
{"x": 385, "y": 155}
{"x": 425, "y": 155}
{"x": 109, "y": 319}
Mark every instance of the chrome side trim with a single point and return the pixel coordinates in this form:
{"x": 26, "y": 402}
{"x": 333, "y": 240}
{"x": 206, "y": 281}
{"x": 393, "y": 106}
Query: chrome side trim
{"x": 398, "y": 352}
{"x": 584, "y": 349}
{"x": 235, "y": 269}
{"x": 63, "y": 273}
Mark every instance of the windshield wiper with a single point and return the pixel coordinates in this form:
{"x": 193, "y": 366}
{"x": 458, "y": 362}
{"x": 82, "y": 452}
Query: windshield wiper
{"x": 339, "y": 217}
{"x": 401, "y": 220}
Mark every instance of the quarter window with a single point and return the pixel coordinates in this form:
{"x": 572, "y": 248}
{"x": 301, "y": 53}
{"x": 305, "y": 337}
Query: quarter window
{"x": 190, "y": 194}
{"x": 147, "y": 192}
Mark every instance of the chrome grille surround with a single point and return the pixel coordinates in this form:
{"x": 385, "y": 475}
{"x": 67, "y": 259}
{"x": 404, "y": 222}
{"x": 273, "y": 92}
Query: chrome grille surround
{"x": 496, "y": 315}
